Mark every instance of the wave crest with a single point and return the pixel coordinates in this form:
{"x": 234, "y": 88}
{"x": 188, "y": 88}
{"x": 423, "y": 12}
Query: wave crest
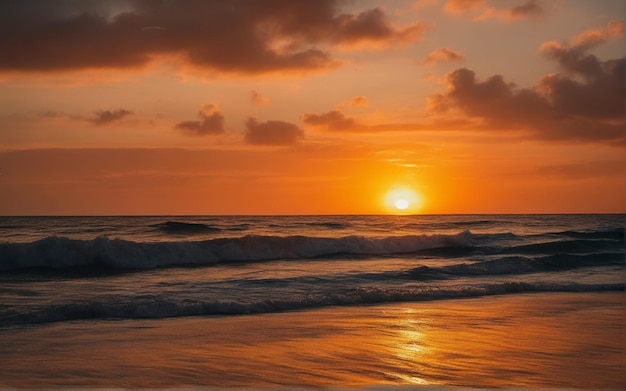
{"x": 59, "y": 253}
{"x": 114, "y": 308}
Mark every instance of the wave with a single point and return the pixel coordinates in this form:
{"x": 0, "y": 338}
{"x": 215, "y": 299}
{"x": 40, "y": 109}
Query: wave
{"x": 615, "y": 234}
{"x": 517, "y": 265}
{"x": 329, "y": 225}
{"x": 180, "y": 228}
{"x": 578, "y": 246}
{"x": 102, "y": 252}
{"x": 157, "y": 309}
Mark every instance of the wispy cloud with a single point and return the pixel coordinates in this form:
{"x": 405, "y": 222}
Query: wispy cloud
{"x": 482, "y": 10}
{"x": 358, "y": 101}
{"x": 258, "y": 99}
{"x": 105, "y": 117}
{"x": 442, "y": 55}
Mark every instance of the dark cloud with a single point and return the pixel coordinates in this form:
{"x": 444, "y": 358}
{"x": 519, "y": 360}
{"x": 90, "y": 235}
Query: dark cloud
{"x": 272, "y": 132}
{"x": 501, "y": 105}
{"x": 104, "y": 117}
{"x": 333, "y": 120}
{"x": 600, "y": 96}
{"x": 585, "y": 103}
{"x": 590, "y": 87}
{"x": 211, "y": 122}
{"x": 373, "y": 25}
{"x": 241, "y": 36}
{"x": 529, "y": 8}
{"x": 573, "y": 56}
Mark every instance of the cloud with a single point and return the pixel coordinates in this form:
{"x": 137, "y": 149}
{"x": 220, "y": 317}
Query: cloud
{"x": 372, "y": 26}
{"x": 358, "y": 101}
{"x": 105, "y": 117}
{"x": 590, "y": 86}
{"x": 585, "y": 103}
{"x": 211, "y": 122}
{"x": 482, "y": 11}
{"x": 337, "y": 121}
{"x": 501, "y": 105}
{"x": 571, "y": 52}
{"x": 530, "y": 8}
{"x": 258, "y": 100}
{"x": 577, "y": 46}
{"x": 272, "y": 132}
{"x": 333, "y": 120}
{"x": 443, "y": 55}
{"x": 246, "y": 37}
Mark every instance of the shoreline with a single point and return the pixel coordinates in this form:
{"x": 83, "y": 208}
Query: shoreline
{"x": 538, "y": 340}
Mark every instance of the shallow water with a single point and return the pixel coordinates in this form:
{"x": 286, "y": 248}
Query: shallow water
{"x": 531, "y": 340}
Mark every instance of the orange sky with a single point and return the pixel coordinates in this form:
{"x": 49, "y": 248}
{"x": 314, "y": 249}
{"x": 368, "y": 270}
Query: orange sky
{"x": 311, "y": 107}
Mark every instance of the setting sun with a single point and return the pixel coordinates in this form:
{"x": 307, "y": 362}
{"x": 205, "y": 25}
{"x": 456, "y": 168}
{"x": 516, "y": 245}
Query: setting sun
{"x": 403, "y": 200}
{"x": 402, "y": 204}
{"x": 216, "y": 109}
{"x": 355, "y": 191}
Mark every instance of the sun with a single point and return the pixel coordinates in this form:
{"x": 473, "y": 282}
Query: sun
{"x": 402, "y": 200}
{"x": 402, "y": 204}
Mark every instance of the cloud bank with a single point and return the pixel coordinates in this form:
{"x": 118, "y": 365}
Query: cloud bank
{"x": 236, "y": 36}
{"x": 586, "y": 102}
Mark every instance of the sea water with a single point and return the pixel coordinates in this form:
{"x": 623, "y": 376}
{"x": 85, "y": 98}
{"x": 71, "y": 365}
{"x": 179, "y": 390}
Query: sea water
{"x": 65, "y": 268}
{"x": 57, "y": 271}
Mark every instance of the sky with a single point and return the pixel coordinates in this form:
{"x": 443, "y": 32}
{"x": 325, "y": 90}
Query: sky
{"x": 213, "y": 107}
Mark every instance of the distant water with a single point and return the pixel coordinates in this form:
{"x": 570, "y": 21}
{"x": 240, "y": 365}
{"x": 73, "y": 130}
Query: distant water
{"x": 59, "y": 269}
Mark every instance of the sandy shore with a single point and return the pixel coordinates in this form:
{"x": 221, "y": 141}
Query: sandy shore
{"x": 535, "y": 341}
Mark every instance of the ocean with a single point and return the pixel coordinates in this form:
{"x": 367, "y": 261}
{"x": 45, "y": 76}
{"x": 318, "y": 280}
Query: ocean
{"x": 79, "y": 296}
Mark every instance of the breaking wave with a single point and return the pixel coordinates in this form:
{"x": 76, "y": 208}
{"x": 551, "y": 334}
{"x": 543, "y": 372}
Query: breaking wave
{"x": 102, "y": 252}
{"x": 114, "y": 308}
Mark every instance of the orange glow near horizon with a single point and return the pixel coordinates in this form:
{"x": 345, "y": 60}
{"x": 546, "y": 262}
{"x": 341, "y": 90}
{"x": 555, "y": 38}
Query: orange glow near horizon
{"x": 403, "y": 200}
{"x": 248, "y": 112}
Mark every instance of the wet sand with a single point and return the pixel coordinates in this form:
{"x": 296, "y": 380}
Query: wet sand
{"x": 533, "y": 341}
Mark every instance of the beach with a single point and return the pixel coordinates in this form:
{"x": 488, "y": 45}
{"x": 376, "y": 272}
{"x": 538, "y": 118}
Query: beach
{"x": 531, "y": 301}
{"x": 547, "y": 340}
{"x": 313, "y": 194}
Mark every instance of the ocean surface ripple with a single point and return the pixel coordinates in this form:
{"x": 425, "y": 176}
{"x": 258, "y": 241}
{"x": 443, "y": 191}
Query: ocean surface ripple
{"x": 57, "y": 269}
